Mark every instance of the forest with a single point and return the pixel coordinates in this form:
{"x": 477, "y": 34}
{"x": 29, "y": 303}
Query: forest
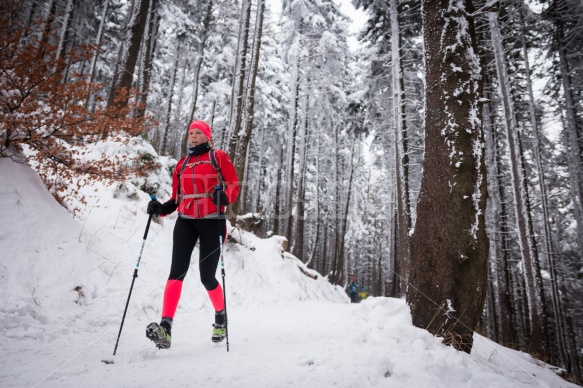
{"x": 438, "y": 160}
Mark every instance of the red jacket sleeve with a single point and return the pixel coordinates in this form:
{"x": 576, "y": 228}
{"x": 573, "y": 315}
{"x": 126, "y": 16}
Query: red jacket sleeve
{"x": 229, "y": 175}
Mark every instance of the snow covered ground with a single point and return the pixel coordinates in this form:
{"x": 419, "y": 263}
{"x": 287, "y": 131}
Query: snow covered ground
{"x": 64, "y": 284}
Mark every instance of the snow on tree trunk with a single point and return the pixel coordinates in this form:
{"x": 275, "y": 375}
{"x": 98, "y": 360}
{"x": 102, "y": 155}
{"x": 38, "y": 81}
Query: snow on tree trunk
{"x": 148, "y": 57}
{"x": 399, "y": 125}
{"x": 64, "y": 33}
{"x": 243, "y": 148}
{"x": 531, "y": 270}
{"x": 449, "y": 247}
{"x": 195, "y": 82}
{"x": 237, "y": 101}
{"x": 572, "y": 136}
{"x": 298, "y": 244}
{"x": 168, "y": 109}
{"x": 128, "y": 53}
{"x": 291, "y": 150}
{"x": 96, "y": 44}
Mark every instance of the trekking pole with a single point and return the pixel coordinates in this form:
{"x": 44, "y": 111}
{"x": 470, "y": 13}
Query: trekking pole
{"x": 153, "y": 198}
{"x": 223, "y": 267}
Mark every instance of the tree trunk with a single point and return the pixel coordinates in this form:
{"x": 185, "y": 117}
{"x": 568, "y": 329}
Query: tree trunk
{"x": 128, "y": 53}
{"x": 338, "y": 272}
{"x": 533, "y": 281}
{"x": 317, "y": 219}
{"x": 278, "y": 184}
{"x": 291, "y": 152}
{"x": 498, "y": 240}
{"x": 298, "y": 245}
{"x": 96, "y": 44}
{"x": 549, "y": 251}
{"x": 236, "y": 116}
{"x": 166, "y": 117}
{"x": 150, "y": 46}
{"x": 571, "y": 133}
{"x": 402, "y": 157}
{"x": 449, "y": 247}
{"x": 64, "y": 34}
{"x": 241, "y": 155}
{"x": 195, "y": 84}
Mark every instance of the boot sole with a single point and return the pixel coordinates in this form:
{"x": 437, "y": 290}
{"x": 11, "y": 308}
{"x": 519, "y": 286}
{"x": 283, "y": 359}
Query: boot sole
{"x": 155, "y": 334}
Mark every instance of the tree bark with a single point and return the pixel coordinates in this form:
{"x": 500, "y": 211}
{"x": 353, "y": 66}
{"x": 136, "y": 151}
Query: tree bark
{"x": 236, "y": 115}
{"x": 166, "y": 117}
{"x": 96, "y": 44}
{"x": 150, "y": 46}
{"x": 242, "y": 150}
{"x": 128, "y": 54}
{"x": 402, "y": 157}
{"x": 291, "y": 152}
{"x": 449, "y": 247}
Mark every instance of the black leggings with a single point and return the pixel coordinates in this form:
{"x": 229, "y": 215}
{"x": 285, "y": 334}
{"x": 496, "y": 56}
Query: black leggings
{"x": 186, "y": 234}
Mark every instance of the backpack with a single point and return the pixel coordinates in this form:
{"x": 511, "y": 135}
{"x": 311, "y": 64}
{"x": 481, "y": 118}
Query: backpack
{"x": 213, "y": 162}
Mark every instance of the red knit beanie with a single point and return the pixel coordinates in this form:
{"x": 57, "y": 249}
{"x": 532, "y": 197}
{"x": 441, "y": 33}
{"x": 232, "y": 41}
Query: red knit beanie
{"x": 204, "y": 127}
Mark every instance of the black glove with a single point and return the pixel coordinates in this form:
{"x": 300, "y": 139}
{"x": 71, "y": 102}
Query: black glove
{"x": 161, "y": 209}
{"x": 219, "y": 198}
{"x": 154, "y": 207}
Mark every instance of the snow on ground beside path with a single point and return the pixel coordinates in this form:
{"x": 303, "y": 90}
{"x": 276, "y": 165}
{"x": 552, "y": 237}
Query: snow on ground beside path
{"x": 64, "y": 284}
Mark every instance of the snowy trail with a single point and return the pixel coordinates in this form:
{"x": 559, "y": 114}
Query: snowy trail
{"x": 308, "y": 344}
{"x": 64, "y": 284}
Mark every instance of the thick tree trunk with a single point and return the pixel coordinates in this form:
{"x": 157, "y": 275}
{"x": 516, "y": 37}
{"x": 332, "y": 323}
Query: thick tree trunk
{"x": 449, "y": 247}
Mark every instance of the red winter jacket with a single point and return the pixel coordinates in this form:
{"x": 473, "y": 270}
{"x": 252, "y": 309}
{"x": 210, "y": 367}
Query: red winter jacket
{"x": 199, "y": 177}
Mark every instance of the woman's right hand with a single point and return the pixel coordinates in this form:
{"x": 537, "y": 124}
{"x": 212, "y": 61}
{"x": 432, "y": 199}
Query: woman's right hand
{"x": 154, "y": 208}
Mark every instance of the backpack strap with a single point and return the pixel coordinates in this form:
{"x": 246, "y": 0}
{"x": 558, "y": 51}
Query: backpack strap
{"x": 179, "y": 174}
{"x": 213, "y": 159}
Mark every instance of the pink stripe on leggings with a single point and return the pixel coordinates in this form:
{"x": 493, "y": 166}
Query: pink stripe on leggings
{"x": 171, "y": 297}
{"x": 216, "y": 296}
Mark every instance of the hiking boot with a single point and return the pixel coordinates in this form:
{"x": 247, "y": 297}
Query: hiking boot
{"x": 219, "y": 332}
{"x": 220, "y": 326}
{"x": 160, "y": 334}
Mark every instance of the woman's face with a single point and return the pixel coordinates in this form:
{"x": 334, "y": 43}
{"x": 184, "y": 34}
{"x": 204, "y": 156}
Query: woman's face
{"x": 196, "y": 137}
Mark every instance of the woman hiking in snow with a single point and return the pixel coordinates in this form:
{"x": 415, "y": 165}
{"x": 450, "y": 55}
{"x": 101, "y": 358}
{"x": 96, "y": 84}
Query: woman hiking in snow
{"x": 203, "y": 181}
